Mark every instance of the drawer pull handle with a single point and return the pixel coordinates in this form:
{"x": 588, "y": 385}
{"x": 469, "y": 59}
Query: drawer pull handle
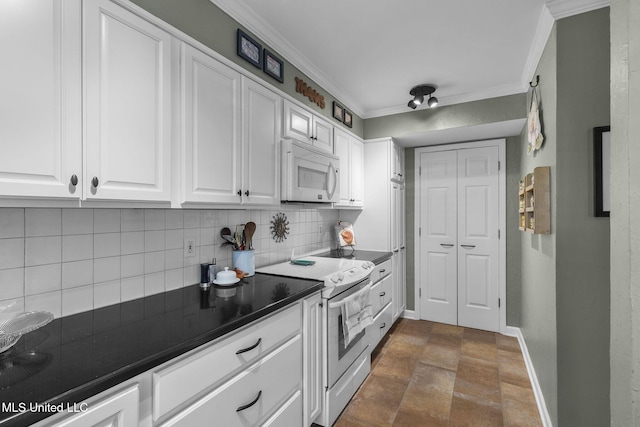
{"x": 468, "y": 246}
{"x": 446, "y": 245}
{"x": 382, "y": 294}
{"x": 382, "y": 270}
{"x": 249, "y": 405}
{"x": 244, "y": 350}
{"x": 384, "y": 325}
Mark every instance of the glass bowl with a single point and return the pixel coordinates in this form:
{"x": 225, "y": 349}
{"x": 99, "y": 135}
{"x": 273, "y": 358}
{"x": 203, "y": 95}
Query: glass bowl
{"x": 14, "y": 325}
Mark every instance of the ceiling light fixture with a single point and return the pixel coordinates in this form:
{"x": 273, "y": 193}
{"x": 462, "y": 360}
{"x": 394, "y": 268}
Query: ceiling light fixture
{"x": 419, "y": 92}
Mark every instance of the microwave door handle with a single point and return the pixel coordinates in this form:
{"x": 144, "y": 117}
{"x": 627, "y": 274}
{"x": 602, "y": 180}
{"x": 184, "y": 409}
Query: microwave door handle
{"x": 332, "y": 177}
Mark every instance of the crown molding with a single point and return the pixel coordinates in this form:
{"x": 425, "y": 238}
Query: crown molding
{"x": 545, "y": 25}
{"x": 563, "y": 8}
{"x": 246, "y": 17}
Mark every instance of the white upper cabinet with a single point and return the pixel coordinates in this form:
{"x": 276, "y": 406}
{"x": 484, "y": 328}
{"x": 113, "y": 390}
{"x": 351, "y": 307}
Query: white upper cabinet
{"x": 211, "y": 124}
{"x": 232, "y": 128}
{"x": 304, "y": 126}
{"x": 397, "y": 164}
{"x": 40, "y": 101}
{"x": 351, "y": 153}
{"x": 127, "y": 105}
{"x": 261, "y": 118}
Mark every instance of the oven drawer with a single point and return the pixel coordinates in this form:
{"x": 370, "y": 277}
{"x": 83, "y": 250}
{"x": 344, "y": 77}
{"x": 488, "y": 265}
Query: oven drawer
{"x": 381, "y": 325}
{"x": 380, "y": 294}
{"x": 187, "y": 378}
{"x": 253, "y": 394}
{"x": 381, "y": 270}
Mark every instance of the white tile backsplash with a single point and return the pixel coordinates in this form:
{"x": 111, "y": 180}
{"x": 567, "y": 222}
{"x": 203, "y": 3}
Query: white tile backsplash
{"x": 11, "y": 253}
{"x": 42, "y": 278}
{"x": 71, "y": 260}
{"x": 11, "y": 283}
{"x": 11, "y": 222}
{"x": 42, "y": 250}
{"x": 77, "y": 221}
{"x": 42, "y": 222}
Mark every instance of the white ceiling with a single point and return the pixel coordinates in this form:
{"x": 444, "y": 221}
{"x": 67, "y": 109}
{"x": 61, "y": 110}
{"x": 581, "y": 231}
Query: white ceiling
{"x": 369, "y": 53}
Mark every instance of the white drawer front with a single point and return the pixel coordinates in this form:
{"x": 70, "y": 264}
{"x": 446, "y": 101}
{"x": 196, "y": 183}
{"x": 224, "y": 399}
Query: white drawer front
{"x": 185, "y": 379}
{"x": 381, "y": 270}
{"x": 381, "y": 325}
{"x": 289, "y": 414}
{"x": 267, "y": 385}
{"x": 381, "y": 294}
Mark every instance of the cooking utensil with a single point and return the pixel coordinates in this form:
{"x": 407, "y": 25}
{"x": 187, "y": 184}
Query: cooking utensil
{"x": 249, "y": 230}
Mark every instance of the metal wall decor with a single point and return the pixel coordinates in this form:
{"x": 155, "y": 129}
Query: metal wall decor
{"x": 279, "y": 227}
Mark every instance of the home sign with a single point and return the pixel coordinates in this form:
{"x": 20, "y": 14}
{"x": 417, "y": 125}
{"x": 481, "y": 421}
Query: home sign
{"x": 309, "y": 92}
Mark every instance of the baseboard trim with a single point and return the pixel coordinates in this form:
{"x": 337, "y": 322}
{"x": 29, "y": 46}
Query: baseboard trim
{"x": 409, "y": 314}
{"x": 537, "y": 391}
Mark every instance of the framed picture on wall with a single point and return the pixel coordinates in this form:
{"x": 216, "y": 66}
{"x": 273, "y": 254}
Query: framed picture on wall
{"x": 273, "y": 66}
{"x": 249, "y": 49}
{"x": 348, "y": 118}
{"x": 338, "y": 111}
{"x": 602, "y": 170}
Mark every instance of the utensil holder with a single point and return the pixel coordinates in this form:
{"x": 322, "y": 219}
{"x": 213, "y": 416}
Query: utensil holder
{"x": 245, "y": 261}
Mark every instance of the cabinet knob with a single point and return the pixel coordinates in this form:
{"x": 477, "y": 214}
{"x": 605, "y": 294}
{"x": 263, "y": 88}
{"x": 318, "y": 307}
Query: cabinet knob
{"x": 74, "y": 180}
{"x": 240, "y": 193}
{"x": 246, "y": 193}
{"x": 95, "y": 181}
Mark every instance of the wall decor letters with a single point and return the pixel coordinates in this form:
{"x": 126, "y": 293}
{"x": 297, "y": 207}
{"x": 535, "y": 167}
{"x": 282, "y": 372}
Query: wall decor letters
{"x": 309, "y": 92}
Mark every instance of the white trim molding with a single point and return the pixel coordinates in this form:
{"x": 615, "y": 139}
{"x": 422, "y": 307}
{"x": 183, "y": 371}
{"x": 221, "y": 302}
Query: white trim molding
{"x": 535, "y": 385}
{"x": 563, "y": 8}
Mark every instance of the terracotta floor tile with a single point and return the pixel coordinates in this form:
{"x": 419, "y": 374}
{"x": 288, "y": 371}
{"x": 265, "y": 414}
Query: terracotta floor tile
{"x": 478, "y": 378}
{"x": 479, "y": 350}
{"x": 507, "y": 343}
{"x": 443, "y": 356}
{"x": 519, "y": 406}
{"x": 467, "y": 411}
{"x": 407, "y": 418}
{"x": 438, "y": 383}
{"x": 429, "y": 392}
{"x": 397, "y": 364}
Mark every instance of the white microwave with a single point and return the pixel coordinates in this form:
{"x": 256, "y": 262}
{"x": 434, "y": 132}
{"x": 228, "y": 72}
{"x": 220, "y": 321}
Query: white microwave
{"x": 309, "y": 175}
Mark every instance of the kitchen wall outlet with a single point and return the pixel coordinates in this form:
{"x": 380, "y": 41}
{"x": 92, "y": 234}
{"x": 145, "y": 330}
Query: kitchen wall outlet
{"x": 189, "y": 248}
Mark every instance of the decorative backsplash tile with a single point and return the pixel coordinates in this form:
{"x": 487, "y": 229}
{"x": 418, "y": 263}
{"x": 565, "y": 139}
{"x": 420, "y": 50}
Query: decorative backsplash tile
{"x": 72, "y": 260}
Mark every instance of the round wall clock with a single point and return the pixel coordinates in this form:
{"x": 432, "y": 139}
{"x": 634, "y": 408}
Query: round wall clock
{"x": 279, "y": 227}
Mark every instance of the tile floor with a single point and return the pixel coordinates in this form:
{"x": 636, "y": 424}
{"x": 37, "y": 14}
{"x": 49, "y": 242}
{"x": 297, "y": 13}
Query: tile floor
{"x": 431, "y": 374}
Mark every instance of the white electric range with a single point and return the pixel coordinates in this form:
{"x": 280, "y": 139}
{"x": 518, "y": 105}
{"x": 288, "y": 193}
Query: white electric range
{"x": 345, "y": 366}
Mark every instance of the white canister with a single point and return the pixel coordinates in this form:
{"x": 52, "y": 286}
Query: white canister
{"x": 245, "y": 261}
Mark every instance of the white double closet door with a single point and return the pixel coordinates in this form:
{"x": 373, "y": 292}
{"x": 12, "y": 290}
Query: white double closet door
{"x": 459, "y": 237}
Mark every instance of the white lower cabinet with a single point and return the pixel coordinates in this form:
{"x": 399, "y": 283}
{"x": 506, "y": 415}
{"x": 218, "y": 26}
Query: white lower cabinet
{"x": 119, "y": 409}
{"x": 253, "y": 394}
{"x": 288, "y": 415}
{"x": 312, "y": 358}
{"x": 381, "y": 324}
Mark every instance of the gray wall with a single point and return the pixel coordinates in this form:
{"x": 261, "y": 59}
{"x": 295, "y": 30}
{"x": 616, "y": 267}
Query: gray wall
{"x": 446, "y": 117}
{"x": 206, "y": 23}
{"x": 625, "y": 205}
{"x": 538, "y": 252}
{"x": 582, "y": 240}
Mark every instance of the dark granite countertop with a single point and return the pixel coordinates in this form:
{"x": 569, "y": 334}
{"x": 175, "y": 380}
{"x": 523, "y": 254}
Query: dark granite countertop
{"x": 375, "y": 257}
{"x": 75, "y": 357}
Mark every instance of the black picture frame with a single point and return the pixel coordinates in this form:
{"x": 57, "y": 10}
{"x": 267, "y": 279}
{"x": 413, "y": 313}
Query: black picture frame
{"x": 348, "y": 118}
{"x": 338, "y": 111}
{"x": 602, "y": 170}
{"x": 273, "y": 66}
{"x": 249, "y": 49}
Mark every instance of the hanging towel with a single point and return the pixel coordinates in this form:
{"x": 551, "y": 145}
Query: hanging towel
{"x": 535, "y": 136}
{"x": 357, "y": 313}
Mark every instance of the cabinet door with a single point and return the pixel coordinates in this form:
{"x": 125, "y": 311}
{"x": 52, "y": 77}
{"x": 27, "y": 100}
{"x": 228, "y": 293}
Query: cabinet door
{"x": 118, "y": 410}
{"x": 322, "y": 134}
{"x": 261, "y": 116}
{"x": 40, "y": 105}
{"x": 297, "y": 123}
{"x": 357, "y": 172}
{"x": 211, "y": 123}
{"x": 127, "y": 105}
{"x": 312, "y": 360}
{"x": 342, "y": 143}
